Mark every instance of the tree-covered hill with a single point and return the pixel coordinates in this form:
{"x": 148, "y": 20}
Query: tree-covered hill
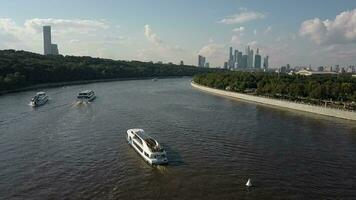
{"x": 332, "y": 90}
{"x": 20, "y": 69}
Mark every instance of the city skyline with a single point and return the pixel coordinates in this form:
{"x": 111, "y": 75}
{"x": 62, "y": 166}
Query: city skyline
{"x": 288, "y": 32}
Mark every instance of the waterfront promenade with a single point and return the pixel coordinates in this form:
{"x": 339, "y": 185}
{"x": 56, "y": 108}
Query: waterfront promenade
{"x": 343, "y": 114}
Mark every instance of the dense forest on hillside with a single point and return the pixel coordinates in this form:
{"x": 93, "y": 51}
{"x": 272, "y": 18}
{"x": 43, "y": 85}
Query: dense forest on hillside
{"x": 20, "y": 69}
{"x": 335, "y": 91}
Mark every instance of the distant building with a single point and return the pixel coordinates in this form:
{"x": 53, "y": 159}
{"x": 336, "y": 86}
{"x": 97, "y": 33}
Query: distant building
{"x": 48, "y": 47}
{"x": 231, "y": 59}
{"x": 310, "y": 73}
{"x": 225, "y": 65}
{"x": 239, "y": 59}
{"x": 54, "y": 49}
{"x": 207, "y": 65}
{"x": 265, "y": 63}
{"x": 320, "y": 68}
{"x": 337, "y": 68}
{"x": 258, "y": 60}
{"x": 244, "y": 61}
{"x": 350, "y": 69}
{"x": 201, "y": 61}
{"x": 181, "y": 62}
{"x": 282, "y": 70}
{"x": 249, "y": 53}
{"x": 236, "y": 54}
{"x": 160, "y": 62}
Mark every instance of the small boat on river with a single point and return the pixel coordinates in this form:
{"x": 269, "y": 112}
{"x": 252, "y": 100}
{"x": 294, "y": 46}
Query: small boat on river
{"x": 149, "y": 149}
{"x": 39, "y": 99}
{"x": 86, "y": 96}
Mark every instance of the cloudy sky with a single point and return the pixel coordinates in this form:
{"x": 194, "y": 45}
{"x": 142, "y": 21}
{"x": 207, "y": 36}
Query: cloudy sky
{"x": 298, "y": 32}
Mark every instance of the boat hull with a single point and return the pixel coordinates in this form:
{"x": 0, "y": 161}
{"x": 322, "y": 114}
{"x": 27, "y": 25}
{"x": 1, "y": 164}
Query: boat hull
{"x": 86, "y": 100}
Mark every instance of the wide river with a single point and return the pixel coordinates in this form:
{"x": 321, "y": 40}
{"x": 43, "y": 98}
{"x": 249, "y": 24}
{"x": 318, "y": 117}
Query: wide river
{"x": 65, "y": 150}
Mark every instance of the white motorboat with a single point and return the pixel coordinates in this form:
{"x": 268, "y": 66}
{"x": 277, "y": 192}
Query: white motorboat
{"x": 149, "y": 149}
{"x": 40, "y": 99}
{"x": 86, "y": 95}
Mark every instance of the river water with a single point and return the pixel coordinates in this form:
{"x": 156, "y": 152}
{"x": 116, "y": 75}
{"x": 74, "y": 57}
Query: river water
{"x": 65, "y": 150}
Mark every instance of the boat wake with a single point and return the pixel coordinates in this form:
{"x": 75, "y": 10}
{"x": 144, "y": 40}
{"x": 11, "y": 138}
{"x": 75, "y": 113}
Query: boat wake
{"x": 80, "y": 103}
{"x": 162, "y": 168}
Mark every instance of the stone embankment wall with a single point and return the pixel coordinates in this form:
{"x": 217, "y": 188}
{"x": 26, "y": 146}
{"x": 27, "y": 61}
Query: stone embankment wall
{"x": 282, "y": 103}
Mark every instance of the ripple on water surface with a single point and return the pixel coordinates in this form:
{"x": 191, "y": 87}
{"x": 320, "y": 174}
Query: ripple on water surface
{"x": 66, "y": 150}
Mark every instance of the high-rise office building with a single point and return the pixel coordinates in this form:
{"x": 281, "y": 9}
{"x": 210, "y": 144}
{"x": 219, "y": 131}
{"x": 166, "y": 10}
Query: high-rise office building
{"x": 250, "y": 59}
{"x": 230, "y": 55}
{"x": 249, "y": 53}
{"x": 231, "y": 59}
{"x": 225, "y": 65}
{"x": 244, "y": 61}
{"x": 48, "y": 47}
{"x": 265, "y": 63}
{"x": 258, "y": 60}
{"x": 54, "y": 49}
{"x": 236, "y": 53}
{"x": 207, "y": 65}
{"x": 47, "y": 40}
{"x": 201, "y": 61}
{"x": 239, "y": 59}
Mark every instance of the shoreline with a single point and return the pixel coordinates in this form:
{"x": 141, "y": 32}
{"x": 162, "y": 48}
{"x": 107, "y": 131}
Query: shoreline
{"x": 331, "y": 112}
{"x": 60, "y": 84}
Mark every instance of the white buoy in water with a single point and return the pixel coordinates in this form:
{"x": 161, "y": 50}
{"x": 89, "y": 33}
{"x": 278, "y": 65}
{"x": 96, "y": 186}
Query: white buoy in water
{"x": 249, "y": 184}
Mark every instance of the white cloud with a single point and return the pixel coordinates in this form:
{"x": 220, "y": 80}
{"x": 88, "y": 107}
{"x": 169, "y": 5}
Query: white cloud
{"x": 65, "y": 24}
{"x": 162, "y": 50}
{"x": 242, "y": 17}
{"x": 255, "y": 32}
{"x": 152, "y": 37}
{"x": 341, "y": 30}
{"x": 253, "y": 44}
{"x": 240, "y": 30}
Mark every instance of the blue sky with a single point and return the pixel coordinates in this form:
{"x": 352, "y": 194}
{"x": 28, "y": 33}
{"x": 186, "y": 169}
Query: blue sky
{"x": 298, "y": 32}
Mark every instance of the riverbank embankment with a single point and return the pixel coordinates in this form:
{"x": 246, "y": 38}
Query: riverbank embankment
{"x": 343, "y": 114}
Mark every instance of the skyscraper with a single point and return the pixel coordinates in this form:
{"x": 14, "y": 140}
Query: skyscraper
{"x": 225, "y": 65}
{"x": 239, "y": 59}
{"x": 249, "y": 53}
{"x": 231, "y": 59}
{"x": 236, "y": 53}
{"x": 47, "y": 40}
{"x": 54, "y": 49}
{"x": 48, "y": 47}
{"x": 258, "y": 60}
{"x": 244, "y": 61}
{"x": 250, "y": 58}
{"x": 201, "y": 61}
{"x": 265, "y": 63}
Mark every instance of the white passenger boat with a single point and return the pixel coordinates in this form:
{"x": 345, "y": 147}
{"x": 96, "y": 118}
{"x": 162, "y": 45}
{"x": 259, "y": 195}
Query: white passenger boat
{"x": 40, "y": 99}
{"x": 86, "y": 96}
{"x": 149, "y": 149}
